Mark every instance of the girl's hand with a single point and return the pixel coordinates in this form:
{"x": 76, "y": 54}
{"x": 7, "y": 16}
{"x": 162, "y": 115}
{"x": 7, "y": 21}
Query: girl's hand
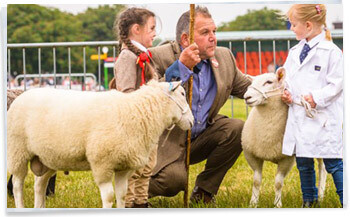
{"x": 287, "y": 97}
{"x": 310, "y": 100}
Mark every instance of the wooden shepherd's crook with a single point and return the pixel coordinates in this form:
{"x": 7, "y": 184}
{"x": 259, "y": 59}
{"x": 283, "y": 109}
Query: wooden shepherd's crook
{"x": 188, "y": 149}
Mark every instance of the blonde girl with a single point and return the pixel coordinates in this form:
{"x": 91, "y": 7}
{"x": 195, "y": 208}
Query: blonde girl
{"x": 136, "y": 31}
{"x": 314, "y": 75}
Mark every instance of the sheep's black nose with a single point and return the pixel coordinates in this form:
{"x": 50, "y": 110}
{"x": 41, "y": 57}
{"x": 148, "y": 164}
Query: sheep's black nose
{"x": 248, "y": 97}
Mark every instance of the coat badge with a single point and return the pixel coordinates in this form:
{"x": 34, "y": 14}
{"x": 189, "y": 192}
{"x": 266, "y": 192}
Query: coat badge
{"x": 317, "y": 68}
{"x": 215, "y": 63}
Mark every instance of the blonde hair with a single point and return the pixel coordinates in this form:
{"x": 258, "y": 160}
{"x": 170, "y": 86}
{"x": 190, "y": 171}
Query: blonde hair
{"x": 315, "y": 13}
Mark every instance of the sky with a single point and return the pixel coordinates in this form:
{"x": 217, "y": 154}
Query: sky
{"x": 169, "y": 13}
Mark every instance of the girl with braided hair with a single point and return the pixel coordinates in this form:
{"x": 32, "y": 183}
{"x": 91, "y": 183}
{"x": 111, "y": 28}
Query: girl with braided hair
{"x": 315, "y": 78}
{"x": 135, "y": 28}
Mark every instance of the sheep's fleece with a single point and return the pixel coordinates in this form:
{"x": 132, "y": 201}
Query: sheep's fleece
{"x": 106, "y": 132}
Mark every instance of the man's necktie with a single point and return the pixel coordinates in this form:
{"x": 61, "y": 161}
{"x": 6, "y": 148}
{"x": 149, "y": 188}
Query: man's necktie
{"x": 304, "y": 53}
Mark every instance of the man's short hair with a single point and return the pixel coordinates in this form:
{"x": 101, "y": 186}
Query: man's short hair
{"x": 183, "y": 23}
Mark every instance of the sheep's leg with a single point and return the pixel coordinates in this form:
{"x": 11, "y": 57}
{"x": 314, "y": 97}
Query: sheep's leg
{"x": 121, "y": 186}
{"x": 40, "y": 186}
{"x": 17, "y": 182}
{"x": 257, "y": 165}
{"x": 17, "y": 163}
{"x": 103, "y": 178}
{"x": 321, "y": 179}
{"x": 284, "y": 166}
{"x": 256, "y": 187}
{"x": 107, "y": 194}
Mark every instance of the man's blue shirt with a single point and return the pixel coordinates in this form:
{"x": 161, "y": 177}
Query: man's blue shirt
{"x": 204, "y": 90}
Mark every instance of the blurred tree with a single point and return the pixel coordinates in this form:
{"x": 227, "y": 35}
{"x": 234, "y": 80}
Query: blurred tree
{"x": 97, "y": 23}
{"x": 28, "y": 23}
{"x": 264, "y": 19}
{"x": 156, "y": 41}
{"x": 35, "y": 24}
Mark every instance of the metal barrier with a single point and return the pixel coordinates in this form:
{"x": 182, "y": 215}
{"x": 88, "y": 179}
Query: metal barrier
{"x": 222, "y": 37}
{"x": 59, "y": 44}
{"x": 62, "y": 75}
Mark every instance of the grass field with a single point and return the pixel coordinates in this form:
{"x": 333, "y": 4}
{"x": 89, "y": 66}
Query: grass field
{"x": 78, "y": 190}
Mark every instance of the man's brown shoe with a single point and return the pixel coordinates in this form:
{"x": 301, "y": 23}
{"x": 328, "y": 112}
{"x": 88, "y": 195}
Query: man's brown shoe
{"x": 199, "y": 195}
{"x": 144, "y": 205}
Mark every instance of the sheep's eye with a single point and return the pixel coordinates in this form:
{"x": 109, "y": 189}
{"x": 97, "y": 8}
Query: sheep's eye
{"x": 268, "y": 82}
{"x": 183, "y": 93}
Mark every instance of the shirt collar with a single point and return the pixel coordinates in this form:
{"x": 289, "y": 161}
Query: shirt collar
{"x": 200, "y": 64}
{"x": 139, "y": 46}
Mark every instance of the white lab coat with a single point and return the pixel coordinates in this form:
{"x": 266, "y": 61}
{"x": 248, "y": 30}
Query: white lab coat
{"x": 320, "y": 74}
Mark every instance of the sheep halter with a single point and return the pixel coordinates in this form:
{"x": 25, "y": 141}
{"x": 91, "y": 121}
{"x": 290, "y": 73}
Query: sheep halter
{"x": 183, "y": 111}
{"x": 310, "y": 112}
{"x": 269, "y": 93}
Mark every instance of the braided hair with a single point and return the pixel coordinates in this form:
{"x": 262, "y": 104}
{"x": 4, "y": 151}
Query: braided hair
{"x": 122, "y": 27}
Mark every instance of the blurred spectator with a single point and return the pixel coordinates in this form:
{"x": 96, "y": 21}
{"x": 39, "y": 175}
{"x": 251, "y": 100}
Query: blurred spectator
{"x": 65, "y": 82}
{"x": 36, "y": 82}
{"x": 279, "y": 63}
{"x": 12, "y": 82}
{"x": 271, "y": 67}
{"x": 50, "y": 81}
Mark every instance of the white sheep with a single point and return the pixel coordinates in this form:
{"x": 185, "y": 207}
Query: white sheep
{"x": 262, "y": 134}
{"x": 106, "y": 132}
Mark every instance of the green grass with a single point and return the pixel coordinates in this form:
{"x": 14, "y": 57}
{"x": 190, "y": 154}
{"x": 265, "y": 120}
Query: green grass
{"x": 78, "y": 190}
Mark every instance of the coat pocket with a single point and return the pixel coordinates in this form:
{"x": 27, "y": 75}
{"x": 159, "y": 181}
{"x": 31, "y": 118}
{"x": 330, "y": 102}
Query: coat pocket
{"x": 315, "y": 132}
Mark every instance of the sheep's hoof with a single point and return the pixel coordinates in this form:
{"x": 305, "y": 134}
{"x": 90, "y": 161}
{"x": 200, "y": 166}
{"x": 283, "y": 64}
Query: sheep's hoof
{"x": 278, "y": 205}
{"x": 253, "y": 205}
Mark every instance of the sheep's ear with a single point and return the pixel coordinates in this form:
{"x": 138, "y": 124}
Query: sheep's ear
{"x": 281, "y": 74}
{"x": 175, "y": 85}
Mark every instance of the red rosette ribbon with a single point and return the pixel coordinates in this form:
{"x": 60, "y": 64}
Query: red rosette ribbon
{"x": 141, "y": 61}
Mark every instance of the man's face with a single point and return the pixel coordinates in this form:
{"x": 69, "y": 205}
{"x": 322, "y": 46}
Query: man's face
{"x": 204, "y": 36}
